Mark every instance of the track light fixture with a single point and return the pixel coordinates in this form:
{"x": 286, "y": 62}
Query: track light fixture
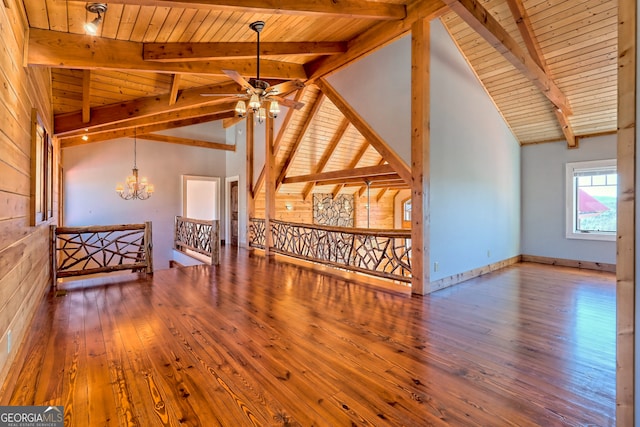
{"x": 99, "y": 8}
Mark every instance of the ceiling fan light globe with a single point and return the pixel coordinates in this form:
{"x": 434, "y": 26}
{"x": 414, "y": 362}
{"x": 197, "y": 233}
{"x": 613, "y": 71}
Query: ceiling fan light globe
{"x": 254, "y": 102}
{"x": 91, "y": 28}
{"x": 241, "y": 109}
{"x": 274, "y": 109}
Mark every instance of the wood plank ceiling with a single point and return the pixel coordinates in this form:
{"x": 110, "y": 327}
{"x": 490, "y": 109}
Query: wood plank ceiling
{"x": 548, "y": 65}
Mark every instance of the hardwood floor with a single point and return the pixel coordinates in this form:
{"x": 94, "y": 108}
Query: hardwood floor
{"x": 260, "y": 343}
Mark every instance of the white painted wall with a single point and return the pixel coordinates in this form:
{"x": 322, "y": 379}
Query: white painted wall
{"x": 91, "y": 172}
{"x": 475, "y": 159}
{"x": 543, "y": 200}
{"x": 210, "y": 131}
{"x": 378, "y": 87}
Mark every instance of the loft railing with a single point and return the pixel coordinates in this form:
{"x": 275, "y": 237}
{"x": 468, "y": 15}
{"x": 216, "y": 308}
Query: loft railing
{"x": 101, "y": 249}
{"x": 202, "y": 237}
{"x": 382, "y": 253}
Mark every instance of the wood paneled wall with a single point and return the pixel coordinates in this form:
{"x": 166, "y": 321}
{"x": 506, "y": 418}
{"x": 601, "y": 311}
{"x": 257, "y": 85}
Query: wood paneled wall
{"x": 24, "y": 250}
{"x": 299, "y": 211}
{"x": 302, "y": 211}
{"x": 381, "y": 215}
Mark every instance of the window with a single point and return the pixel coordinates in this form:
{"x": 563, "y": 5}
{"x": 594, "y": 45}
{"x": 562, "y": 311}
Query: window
{"x": 41, "y": 172}
{"x": 406, "y": 213}
{"x": 592, "y": 195}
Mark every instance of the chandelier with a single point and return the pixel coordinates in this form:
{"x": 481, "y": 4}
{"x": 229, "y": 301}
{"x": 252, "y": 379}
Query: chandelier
{"x": 136, "y": 188}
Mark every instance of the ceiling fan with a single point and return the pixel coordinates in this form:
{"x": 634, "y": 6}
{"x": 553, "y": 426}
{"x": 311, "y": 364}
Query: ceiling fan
{"x": 263, "y": 98}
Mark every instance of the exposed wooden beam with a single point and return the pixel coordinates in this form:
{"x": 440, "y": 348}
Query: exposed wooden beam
{"x": 170, "y": 52}
{"x": 276, "y": 146}
{"x": 86, "y": 96}
{"x": 170, "y": 120}
{"x": 365, "y": 172}
{"x": 334, "y": 9}
{"x": 67, "y": 50}
{"x": 227, "y": 123}
{"x": 563, "y": 120}
{"x": 187, "y": 141}
{"x": 375, "y": 37}
{"x": 287, "y": 119}
{"x": 354, "y": 162}
{"x": 288, "y": 161}
{"x": 366, "y": 131}
{"x": 149, "y": 127}
{"x": 477, "y": 17}
{"x": 526, "y": 31}
{"x": 270, "y": 187}
{"x": 381, "y": 194}
{"x": 375, "y": 185}
{"x": 175, "y": 84}
{"x": 249, "y": 141}
{"x": 259, "y": 183}
{"x": 326, "y": 155}
{"x": 533, "y": 47}
{"x": 251, "y": 198}
{"x": 626, "y": 258}
{"x": 391, "y": 177}
{"x": 141, "y": 107}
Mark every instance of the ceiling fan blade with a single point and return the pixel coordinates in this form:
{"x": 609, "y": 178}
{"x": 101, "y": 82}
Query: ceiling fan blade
{"x": 288, "y": 102}
{"x": 239, "y": 79}
{"x": 285, "y": 87}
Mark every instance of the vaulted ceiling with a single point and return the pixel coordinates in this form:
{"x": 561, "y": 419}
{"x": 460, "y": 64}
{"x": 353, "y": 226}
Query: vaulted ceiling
{"x": 548, "y": 65}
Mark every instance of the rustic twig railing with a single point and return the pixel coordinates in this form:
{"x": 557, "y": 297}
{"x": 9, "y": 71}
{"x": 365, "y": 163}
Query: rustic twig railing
{"x": 382, "y": 253}
{"x": 256, "y": 233}
{"x": 200, "y": 236}
{"x": 101, "y": 249}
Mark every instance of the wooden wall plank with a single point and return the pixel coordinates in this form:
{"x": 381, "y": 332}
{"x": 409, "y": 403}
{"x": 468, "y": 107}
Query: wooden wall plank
{"x": 24, "y": 250}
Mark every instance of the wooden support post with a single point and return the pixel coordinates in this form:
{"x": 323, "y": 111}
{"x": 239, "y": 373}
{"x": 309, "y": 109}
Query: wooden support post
{"x": 214, "y": 238}
{"x": 627, "y": 189}
{"x": 251, "y": 194}
{"x": 54, "y": 260}
{"x": 86, "y": 96}
{"x": 269, "y": 187}
{"x": 420, "y": 150}
{"x": 148, "y": 246}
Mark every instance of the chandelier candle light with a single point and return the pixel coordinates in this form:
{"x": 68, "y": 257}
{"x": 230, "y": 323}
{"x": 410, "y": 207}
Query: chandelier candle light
{"x": 136, "y": 188}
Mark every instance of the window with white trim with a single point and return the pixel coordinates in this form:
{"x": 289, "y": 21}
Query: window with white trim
{"x": 592, "y": 196}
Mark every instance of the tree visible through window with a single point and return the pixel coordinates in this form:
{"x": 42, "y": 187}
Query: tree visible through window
{"x": 592, "y": 200}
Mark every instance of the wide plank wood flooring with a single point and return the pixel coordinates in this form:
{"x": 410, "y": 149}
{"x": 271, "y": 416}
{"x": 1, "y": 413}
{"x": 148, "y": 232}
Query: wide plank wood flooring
{"x": 254, "y": 342}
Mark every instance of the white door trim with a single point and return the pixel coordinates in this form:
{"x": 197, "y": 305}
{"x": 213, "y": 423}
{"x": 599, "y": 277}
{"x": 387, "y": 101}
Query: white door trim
{"x": 227, "y": 207}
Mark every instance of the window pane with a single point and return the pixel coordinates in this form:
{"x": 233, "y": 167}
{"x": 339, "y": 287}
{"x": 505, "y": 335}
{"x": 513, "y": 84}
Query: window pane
{"x": 407, "y": 210}
{"x": 596, "y": 204}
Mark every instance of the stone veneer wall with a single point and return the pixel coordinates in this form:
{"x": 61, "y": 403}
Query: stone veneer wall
{"x": 334, "y": 212}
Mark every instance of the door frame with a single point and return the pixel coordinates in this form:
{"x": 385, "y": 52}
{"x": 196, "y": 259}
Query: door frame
{"x": 227, "y": 208}
{"x": 183, "y": 191}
